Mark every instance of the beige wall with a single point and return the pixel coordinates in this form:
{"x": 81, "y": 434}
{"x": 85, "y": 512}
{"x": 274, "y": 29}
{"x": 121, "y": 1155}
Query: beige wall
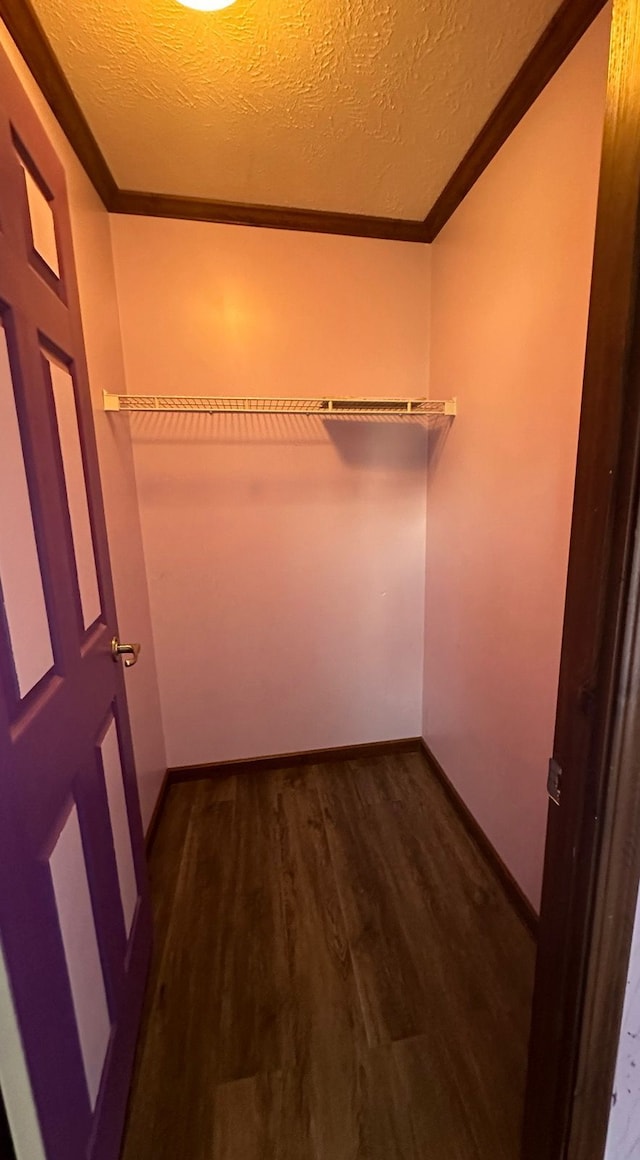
{"x": 510, "y": 294}
{"x": 285, "y": 556}
{"x": 92, "y": 244}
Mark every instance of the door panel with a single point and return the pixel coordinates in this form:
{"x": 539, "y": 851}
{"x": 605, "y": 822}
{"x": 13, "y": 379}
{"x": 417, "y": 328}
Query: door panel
{"x": 79, "y": 939}
{"x": 42, "y": 222}
{"x": 70, "y": 450}
{"x": 6, "y": 1144}
{"x": 74, "y": 910}
{"x": 24, "y": 1133}
{"x": 119, "y": 818}
{"x": 27, "y": 631}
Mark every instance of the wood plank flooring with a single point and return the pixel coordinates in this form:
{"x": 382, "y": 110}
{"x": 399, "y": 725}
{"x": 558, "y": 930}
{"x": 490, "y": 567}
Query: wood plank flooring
{"x": 337, "y": 975}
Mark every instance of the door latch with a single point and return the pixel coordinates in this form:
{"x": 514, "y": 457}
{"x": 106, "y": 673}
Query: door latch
{"x": 554, "y": 781}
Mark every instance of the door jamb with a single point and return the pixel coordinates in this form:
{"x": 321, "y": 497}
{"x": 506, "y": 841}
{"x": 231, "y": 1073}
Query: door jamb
{"x": 592, "y": 856}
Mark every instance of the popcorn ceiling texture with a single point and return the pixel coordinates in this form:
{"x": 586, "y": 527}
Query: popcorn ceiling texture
{"x": 359, "y": 106}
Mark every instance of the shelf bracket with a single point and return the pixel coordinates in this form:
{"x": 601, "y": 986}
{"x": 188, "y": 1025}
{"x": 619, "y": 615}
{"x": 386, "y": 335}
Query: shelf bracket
{"x": 111, "y": 402}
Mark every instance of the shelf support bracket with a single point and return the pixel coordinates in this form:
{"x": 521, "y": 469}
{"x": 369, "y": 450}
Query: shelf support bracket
{"x": 111, "y": 402}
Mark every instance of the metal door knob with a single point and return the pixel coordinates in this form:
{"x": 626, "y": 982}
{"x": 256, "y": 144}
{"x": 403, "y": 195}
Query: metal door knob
{"x": 130, "y": 651}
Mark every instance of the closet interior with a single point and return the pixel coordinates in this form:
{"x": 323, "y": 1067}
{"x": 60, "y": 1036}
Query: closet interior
{"x": 337, "y": 476}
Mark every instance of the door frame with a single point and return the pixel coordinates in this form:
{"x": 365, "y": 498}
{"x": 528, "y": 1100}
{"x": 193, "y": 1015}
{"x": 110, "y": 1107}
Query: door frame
{"x": 592, "y": 854}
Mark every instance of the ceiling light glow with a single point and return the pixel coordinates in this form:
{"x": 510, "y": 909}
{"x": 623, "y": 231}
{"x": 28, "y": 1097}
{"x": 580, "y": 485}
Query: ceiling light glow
{"x": 206, "y": 5}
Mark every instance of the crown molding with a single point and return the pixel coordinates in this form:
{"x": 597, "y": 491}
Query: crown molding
{"x": 31, "y": 41}
{"x": 562, "y": 34}
{"x": 273, "y": 217}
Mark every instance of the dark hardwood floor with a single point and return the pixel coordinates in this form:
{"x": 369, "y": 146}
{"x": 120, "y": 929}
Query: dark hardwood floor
{"x": 337, "y": 975}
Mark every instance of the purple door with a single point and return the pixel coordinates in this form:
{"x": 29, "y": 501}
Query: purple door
{"x": 74, "y": 912}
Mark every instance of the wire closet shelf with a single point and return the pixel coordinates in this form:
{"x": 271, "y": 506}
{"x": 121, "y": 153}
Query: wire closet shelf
{"x": 217, "y": 404}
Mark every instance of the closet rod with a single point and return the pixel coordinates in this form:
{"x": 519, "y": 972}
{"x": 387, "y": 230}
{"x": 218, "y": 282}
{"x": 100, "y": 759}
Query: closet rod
{"x": 255, "y": 405}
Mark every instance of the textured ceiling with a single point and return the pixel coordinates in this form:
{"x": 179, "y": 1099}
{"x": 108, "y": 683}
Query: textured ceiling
{"x": 357, "y": 106}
